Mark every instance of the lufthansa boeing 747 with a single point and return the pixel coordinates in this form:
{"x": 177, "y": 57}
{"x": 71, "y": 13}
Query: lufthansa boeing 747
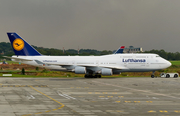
{"x": 90, "y": 66}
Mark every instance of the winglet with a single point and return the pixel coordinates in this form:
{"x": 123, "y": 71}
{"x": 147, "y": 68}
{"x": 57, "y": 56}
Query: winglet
{"x": 21, "y": 47}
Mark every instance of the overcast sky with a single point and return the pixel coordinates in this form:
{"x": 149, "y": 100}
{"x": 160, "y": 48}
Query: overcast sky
{"x": 93, "y": 24}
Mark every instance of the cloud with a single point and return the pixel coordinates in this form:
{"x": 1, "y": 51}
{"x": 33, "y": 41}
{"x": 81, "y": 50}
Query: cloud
{"x": 93, "y": 24}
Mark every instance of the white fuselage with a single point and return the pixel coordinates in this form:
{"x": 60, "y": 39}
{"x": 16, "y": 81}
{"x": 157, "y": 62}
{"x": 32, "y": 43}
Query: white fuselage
{"x": 117, "y": 62}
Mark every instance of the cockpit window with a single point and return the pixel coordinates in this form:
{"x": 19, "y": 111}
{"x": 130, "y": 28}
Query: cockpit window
{"x": 157, "y": 56}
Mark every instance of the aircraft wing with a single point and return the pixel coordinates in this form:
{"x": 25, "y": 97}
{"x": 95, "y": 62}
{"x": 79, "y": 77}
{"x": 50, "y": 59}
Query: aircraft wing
{"x": 89, "y": 66}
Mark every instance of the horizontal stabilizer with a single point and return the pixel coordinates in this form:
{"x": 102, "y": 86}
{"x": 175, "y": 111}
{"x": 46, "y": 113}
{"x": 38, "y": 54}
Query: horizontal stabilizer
{"x": 16, "y": 58}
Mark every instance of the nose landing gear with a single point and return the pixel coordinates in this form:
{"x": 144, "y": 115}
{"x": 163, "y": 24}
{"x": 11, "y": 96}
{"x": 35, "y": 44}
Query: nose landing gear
{"x": 152, "y": 75}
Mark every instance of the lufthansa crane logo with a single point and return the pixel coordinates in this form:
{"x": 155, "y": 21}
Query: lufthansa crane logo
{"x": 18, "y": 44}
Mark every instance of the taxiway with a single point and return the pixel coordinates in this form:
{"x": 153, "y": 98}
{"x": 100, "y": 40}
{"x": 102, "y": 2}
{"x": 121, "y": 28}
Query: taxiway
{"x": 89, "y": 97}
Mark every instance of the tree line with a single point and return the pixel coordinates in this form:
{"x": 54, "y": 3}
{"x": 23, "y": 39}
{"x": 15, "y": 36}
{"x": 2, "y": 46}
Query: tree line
{"x": 166, "y": 55}
{"x": 6, "y": 50}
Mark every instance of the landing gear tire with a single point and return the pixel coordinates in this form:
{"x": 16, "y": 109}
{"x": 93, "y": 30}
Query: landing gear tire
{"x": 167, "y": 76}
{"x": 175, "y": 76}
{"x": 85, "y": 76}
{"x": 95, "y": 76}
{"x": 89, "y": 76}
{"x": 92, "y": 76}
{"x": 152, "y": 76}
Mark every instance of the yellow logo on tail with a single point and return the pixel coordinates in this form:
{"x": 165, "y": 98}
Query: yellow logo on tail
{"x": 18, "y": 44}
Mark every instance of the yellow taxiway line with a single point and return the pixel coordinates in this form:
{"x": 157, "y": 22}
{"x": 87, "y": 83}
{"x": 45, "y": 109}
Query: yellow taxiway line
{"x": 62, "y": 105}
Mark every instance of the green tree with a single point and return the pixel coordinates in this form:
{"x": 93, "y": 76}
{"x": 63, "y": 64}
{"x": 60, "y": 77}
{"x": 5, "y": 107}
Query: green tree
{"x": 23, "y": 71}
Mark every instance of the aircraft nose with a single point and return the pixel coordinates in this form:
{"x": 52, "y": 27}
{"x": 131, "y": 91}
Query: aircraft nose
{"x": 168, "y": 64}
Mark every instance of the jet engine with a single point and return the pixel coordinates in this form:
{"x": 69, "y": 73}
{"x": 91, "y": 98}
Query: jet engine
{"x": 80, "y": 70}
{"x": 106, "y": 71}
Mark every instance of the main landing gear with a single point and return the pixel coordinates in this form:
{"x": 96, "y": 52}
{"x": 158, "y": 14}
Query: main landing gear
{"x": 92, "y": 76}
{"x": 152, "y": 75}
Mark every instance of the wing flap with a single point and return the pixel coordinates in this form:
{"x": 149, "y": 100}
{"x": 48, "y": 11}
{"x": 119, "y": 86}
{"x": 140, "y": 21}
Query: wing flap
{"x": 89, "y": 66}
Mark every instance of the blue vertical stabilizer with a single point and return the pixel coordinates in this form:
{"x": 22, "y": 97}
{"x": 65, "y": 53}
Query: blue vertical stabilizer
{"x": 21, "y": 47}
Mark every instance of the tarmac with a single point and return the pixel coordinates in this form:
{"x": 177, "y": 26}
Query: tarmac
{"x": 135, "y": 96}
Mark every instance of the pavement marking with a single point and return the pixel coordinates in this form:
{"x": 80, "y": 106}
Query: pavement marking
{"x": 23, "y": 85}
{"x": 80, "y": 87}
{"x": 66, "y": 96}
{"x": 120, "y": 96}
{"x": 127, "y": 101}
{"x": 133, "y": 101}
{"x": 138, "y": 90}
{"x": 62, "y": 105}
{"x": 119, "y": 111}
{"x": 136, "y": 101}
{"x": 103, "y": 93}
{"x": 48, "y": 111}
{"x": 30, "y": 97}
{"x": 110, "y": 96}
{"x": 152, "y": 111}
{"x": 149, "y": 101}
{"x": 118, "y": 101}
{"x": 177, "y": 111}
{"x": 39, "y": 113}
{"x": 54, "y": 109}
{"x": 114, "y": 111}
{"x": 163, "y": 111}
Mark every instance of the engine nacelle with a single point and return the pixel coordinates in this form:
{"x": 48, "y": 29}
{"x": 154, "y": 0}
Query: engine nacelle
{"x": 80, "y": 70}
{"x": 106, "y": 71}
